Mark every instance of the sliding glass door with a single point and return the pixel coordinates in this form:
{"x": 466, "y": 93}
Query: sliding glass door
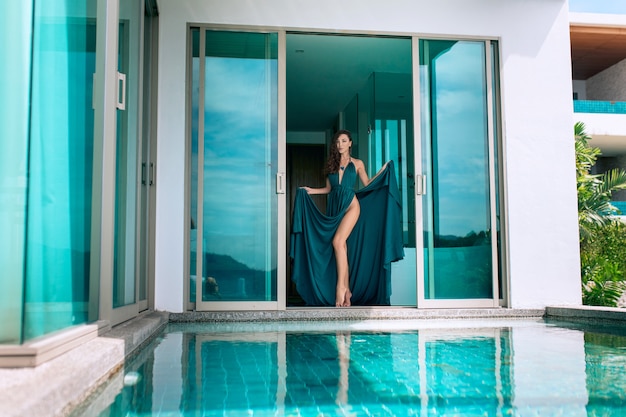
{"x": 235, "y": 185}
{"x": 458, "y": 185}
{"x": 134, "y": 167}
{"x": 46, "y": 168}
{"x": 428, "y": 105}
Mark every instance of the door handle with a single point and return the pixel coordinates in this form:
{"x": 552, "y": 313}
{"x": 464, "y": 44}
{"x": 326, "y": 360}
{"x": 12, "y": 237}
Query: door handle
{"x": 280, "y": 183}
{"x": 121, "y": 88}
{"x": 420, "y": 184}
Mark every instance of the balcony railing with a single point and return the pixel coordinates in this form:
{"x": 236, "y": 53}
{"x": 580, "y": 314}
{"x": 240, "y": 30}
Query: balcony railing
{"x": 593, "y": 106}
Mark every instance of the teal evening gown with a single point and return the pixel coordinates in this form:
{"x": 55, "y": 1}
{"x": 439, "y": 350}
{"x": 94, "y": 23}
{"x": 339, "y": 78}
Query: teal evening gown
{"x": 374, "y": 243}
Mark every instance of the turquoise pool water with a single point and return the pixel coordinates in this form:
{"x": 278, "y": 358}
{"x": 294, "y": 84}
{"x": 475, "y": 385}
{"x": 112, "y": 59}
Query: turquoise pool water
{"x": 373, "y": 368}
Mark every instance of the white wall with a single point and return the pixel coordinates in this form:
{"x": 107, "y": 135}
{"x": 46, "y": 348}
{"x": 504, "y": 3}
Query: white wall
{"x": 602, "y": 124}
{"x": 607, "y": 130}
{"x": 537, "y": 112}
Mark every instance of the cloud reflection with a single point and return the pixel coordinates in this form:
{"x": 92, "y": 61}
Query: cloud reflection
{"x": 461, "y": 154}
{"x": 239, "y": 131}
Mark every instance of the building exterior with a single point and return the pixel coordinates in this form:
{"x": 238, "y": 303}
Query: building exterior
{"x": 150, "y": 152}
{"x": 599, "y": 84}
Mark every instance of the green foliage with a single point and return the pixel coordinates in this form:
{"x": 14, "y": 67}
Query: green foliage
{"x": 594, "y": 191}
{"x": 602, "y": 236}
{"x": 604, "y": 294}
{"x": 603, "y": 264}
{"x": 607, "y": 243}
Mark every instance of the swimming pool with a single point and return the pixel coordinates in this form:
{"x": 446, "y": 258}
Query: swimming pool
{"x": 373, "y": 368}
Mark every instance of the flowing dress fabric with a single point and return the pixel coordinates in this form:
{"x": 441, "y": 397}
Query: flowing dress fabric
{"x": 374, "y": 243}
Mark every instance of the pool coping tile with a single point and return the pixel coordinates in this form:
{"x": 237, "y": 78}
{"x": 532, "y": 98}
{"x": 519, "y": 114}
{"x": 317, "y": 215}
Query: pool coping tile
{"x": 611, "y": 315}
{"x": 59, "y": 385}
{"x": 353, "y": 313}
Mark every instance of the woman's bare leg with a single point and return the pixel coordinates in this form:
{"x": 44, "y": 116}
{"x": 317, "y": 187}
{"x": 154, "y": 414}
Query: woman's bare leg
{"x": 342, "y": 295}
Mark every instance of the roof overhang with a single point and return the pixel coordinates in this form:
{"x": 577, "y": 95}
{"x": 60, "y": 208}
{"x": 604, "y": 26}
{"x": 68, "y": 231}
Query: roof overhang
{"x": 597, "y": 43}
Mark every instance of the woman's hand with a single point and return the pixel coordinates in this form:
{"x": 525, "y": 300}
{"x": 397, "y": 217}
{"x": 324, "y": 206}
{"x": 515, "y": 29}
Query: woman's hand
{"x": 380, "y": 171}
{"x": 310, "y": 190}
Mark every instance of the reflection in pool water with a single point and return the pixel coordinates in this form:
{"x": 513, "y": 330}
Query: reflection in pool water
{"x": 372, "y": 368}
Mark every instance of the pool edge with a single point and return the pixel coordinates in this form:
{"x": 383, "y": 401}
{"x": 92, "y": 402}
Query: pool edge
{"x": 354, "y": 313}
{"x": 588, "y": 314}
{"x": 59, "y": 387}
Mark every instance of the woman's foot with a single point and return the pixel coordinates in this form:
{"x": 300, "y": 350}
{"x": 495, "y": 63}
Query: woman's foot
{"x": 342, "y": 297}
{"x": 346, "y": 301}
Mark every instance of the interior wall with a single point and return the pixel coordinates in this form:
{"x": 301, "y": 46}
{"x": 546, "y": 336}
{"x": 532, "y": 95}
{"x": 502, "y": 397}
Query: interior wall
{"x": 536, "y": 91}
{"x": 307, "y": 137}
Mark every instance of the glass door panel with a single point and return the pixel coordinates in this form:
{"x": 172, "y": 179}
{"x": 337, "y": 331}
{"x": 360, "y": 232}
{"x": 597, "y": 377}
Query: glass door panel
{"x": 57, "y": 168}
{"x": 127, "y": 154}
{"x": 457, "y": 204}
{"x": 234, "y": 168}
{"x": 392, "y": 140}
{"x": 145, "y": 246}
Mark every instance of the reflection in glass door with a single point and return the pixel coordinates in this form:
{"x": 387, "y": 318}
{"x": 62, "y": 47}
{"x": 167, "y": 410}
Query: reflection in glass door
{"x": 459, "y": 201}
{"x": 234, "y": 156}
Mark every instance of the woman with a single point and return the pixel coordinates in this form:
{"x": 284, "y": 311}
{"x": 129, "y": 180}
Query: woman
{"x": 342, "y": 214}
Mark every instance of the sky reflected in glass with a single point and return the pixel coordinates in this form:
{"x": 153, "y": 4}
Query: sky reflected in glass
{"x": 237, "y": 157}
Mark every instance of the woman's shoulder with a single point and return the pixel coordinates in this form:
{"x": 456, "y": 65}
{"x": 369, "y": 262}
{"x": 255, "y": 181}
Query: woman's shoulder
{"x": 357, "y": 163}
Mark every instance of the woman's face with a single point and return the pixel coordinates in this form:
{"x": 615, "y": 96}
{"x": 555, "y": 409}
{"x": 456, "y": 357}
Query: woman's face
{"x": 343, "y": 143}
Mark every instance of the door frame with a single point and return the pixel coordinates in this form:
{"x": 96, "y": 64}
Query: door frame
{"x": 281, "y": 276}
{"x": 500, "y": 273}
{"x": 421, "y": 181}
{"x": 146, "y": 128}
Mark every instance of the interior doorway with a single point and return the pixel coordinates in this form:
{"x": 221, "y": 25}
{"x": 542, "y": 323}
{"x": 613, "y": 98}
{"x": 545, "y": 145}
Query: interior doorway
{"x": 303, "y": 168}
{"x": 363, "y": 84}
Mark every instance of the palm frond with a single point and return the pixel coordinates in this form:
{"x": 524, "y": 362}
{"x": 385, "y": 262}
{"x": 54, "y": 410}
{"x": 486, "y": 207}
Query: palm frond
{"x": 580, "y": 131}
{"x": 605, "y": 294}
{"x": 613, "y": 180}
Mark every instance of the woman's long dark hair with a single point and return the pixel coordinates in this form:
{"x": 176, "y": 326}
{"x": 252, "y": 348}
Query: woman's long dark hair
{"x": 334, "y": 157}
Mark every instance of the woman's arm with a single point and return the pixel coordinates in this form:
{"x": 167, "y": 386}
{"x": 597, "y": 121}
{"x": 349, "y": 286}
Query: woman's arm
{"x": 324, "y": 190}
{"x": 363, "y": 174}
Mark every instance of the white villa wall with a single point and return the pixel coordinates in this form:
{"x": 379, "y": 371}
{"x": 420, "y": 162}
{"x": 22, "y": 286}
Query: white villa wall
{"x": 537, "y": 119}
{"x": 602, "y": 124}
